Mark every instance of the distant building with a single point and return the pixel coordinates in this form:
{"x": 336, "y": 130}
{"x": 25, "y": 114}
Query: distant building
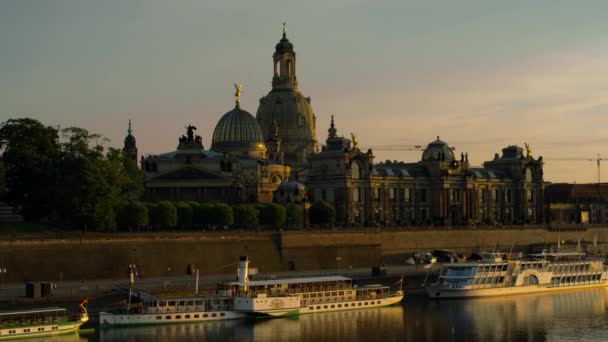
{"x": 577, "y": 203}
{"x": 438, "y": 190}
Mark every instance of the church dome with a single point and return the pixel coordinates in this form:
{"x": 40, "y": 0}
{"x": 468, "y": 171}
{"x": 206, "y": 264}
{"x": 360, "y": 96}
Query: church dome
{"x": 238, "y": 132}
{"x": 284, "y": 45}
{"x": 438, "y": 150}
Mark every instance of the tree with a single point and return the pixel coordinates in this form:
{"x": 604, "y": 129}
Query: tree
{"x": 69, "y": 178}
{"x": 272, "y": 214}
{"x": 29, "y": 153}
{"x": 294, "y": 214}
{"x": 245, "y": 215}
{"x": 195, "y": 206}
{"x": 203, "y": 214}
{"x": 153, "y": 214}
{"x": 167, "y": 214}
{"x": 223, "y": 215}
{"x": 322, "y": 213}
{"x": 184, "y": 214}
{"x": 132, "y": 215}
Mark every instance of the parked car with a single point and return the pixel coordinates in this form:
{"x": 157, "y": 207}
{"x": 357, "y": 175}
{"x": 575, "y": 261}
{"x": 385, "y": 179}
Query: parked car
{"x": 424, "y": 258}
{"x": 443, "y": 255}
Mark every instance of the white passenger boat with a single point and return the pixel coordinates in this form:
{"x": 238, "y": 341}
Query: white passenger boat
{"x": 248, "y": 298}
{"x": 148, "y": 309}
{"x": 41, "y": 322}
{"x": 293, "y": 296}
{"x": 493, "y": 276}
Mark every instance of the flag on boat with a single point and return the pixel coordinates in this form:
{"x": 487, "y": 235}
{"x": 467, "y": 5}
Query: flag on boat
{"x": 84, "y": 301}
{"x": 427, "y": 266}
{"x": 400, "y": 281}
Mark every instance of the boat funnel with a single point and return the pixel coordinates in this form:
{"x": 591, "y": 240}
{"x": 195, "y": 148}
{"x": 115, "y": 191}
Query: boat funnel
{"x": 243, "y": 270}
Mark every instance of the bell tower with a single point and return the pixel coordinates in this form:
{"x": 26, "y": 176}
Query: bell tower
{"x": 284, "y": 59}
{"x": 129, "y": 149}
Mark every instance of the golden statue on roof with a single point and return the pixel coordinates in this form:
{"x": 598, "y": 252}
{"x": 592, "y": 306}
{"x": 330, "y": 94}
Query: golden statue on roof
{"x": 237, "y": 94}
{"x": 355, "y": 141}
{"x": 528, "y": 150}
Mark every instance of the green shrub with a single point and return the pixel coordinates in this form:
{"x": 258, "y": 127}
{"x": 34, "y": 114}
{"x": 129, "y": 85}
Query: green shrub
{"x": 322, "y": 213}
{"x": 294, "y": 214}
{"x": 273, "y": 215}
{"x": 184, "y": 214}
{"x": 245, "y": 215}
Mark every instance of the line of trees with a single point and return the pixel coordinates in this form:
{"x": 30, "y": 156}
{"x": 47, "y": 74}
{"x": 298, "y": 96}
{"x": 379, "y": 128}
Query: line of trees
{"x": 193, "y": 215}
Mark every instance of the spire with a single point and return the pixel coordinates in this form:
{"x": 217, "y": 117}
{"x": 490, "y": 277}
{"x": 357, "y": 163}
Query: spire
{"x": 332, "y": 129}
{"x": 129, "y": 130}
{"x": 284, "y": 60}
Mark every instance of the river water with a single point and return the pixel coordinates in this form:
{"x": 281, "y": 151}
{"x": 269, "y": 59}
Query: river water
{"x": 568, "y": 316}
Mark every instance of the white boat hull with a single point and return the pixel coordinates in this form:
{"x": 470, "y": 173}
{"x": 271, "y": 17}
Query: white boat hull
{"x": 107, "y": 320}
{"x": 350, "y": 305}
{"x": 436, "y": 292}
{"x": 43, "y": 330}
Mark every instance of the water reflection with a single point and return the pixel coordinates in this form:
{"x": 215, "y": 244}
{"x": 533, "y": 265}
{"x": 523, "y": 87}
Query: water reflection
{"x": 578, "y": 315}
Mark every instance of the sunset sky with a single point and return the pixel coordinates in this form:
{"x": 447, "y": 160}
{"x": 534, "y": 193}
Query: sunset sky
{"x": 480, "y": 74}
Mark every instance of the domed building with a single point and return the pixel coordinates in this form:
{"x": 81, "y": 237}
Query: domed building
{"x": 438, "y": 151}
{"x": 238, "y": 133}
{"x": 286, "y": 108}
{"x": 234, "y": 170}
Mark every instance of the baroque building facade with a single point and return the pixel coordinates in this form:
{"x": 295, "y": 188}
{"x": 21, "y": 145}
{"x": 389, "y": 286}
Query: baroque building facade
{"x": 440, "y": 189}
{"x": 275, "y": 157}
{"x": 234, "y": 170}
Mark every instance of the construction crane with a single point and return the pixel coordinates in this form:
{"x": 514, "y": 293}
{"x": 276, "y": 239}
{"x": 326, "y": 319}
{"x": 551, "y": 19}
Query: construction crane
{"x": 396, "y": 147}
{"x": 597, "y": 160}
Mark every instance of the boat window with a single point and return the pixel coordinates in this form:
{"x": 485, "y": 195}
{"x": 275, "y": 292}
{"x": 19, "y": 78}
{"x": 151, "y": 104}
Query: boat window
{"x": 222, "y": 314}
{"x": 159, "y": 317}
{"x": 178, "y": 317}
{"x": 339, "y": 305}
{"x": 318, "y": 307}
{"x": 334, "y": 293}
{"x": 205, "y": 315}
{"x": 341, "y": 293}
{"x": 324, "y": 306}
{"x": 214, "y": 315}
{"x": 187, "y": 316}
{"x": 366, "y": 303}
{"x": 197, "y": 316}
{"x": 333, "y": 306}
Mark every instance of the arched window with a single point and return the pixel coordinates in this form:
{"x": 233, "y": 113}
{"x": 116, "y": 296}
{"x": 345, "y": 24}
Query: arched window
{"x": 355, "y": 170}
{"x": 528, "y": 175}
{"x": 289, "y": 68}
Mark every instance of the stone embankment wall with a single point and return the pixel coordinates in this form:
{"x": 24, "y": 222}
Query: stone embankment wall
{"x": 157, "y": 255}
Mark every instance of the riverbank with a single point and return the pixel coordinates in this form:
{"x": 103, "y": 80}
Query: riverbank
{"x": 86, "y": 257}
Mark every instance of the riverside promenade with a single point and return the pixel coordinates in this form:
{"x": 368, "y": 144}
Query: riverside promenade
{"x": 74, "y": 290}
